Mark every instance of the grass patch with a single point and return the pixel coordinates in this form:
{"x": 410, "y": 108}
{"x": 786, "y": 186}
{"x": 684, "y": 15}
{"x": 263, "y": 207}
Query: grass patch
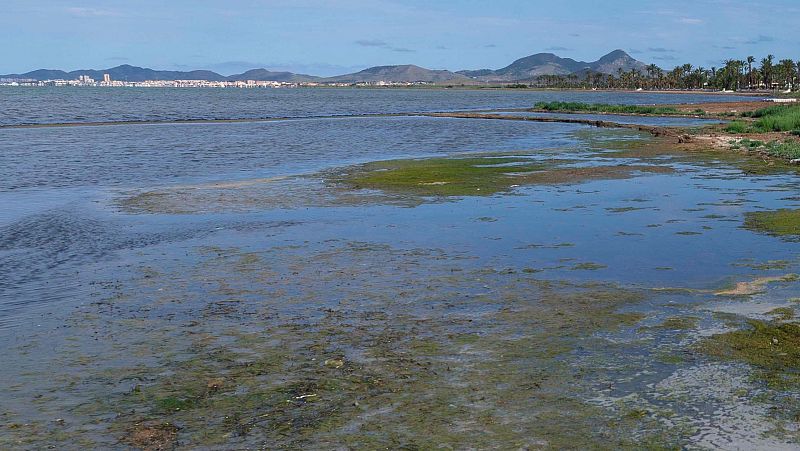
{"x": 772, "y": 348}
{"x": 605, "y": 108}
{"x": 737, "y": 127}
{"x": 778, "y": 222}
{"x": 776, "y": 118}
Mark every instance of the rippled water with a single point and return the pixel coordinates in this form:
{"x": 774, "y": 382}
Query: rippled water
{"x": 99, "y": 302}
{"x": 57, "y": 105}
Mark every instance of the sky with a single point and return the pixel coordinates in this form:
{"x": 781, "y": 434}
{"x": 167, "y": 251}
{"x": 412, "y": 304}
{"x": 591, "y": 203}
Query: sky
{"x": 340, "y": 36}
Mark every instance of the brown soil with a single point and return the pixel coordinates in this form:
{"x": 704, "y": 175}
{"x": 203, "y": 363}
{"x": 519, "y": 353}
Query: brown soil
{"x": 722, "y": 107}
{"x": 755, "y": 286}
{"x": 718, "y": 139}
{"x": 152, "y": 436}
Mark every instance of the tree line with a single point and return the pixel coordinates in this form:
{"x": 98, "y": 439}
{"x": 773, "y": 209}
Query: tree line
{"x": 735, "y": 75}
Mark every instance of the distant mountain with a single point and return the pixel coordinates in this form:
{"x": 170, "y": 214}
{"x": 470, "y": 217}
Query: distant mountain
{"x": 615, "y": 60}
{"x": 125, "y": 72}
{"x": 520, "y": 70}
{"x": 266, "y": 75}
{"x": 404, "y": 73}
{"x": 550, "y": 64}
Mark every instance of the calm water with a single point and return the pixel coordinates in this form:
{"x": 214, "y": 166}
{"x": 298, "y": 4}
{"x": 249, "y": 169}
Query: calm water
{"x": 107, "y": 299}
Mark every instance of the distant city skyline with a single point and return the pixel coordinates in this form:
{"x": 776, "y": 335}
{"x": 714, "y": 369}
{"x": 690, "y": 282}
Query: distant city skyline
{"x": 341, "y": 36}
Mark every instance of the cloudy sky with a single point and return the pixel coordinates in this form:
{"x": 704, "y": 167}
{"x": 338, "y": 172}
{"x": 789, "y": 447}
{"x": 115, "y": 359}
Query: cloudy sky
{"x": 339, "y": 36}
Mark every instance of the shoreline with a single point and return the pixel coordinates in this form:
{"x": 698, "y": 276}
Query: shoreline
{"x": 447, "y": 87}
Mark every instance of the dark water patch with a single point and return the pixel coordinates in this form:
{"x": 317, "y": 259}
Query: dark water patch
{"x": 45, "y": 256}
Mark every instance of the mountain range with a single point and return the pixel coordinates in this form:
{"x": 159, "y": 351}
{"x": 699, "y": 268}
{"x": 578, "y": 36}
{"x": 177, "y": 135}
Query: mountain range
{"x": 520, "y": 70}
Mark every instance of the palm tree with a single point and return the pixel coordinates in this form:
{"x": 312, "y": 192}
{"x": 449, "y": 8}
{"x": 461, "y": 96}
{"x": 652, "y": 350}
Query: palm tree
{"x": 750, "y": 61}
{"x": 786, "y": 71}
{"x": 798, "y": 69}
{"x": 766, "y": 70}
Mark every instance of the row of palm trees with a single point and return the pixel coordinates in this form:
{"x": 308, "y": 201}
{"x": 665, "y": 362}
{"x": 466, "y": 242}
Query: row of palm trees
{"x": 734, "y": 75}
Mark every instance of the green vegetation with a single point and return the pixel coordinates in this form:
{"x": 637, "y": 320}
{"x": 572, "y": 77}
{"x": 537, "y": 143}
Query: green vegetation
{"x": 482, "y": 175}
{"x": 778, "y": 222}
{"x": 768, "y": 111}
{"x": 789, "y": 149}
{"x": 737, "y": 127}
{"x": 782, "y": 313}
{"x": 679, "y": 323}
{"x": 475, "y": 175}
{"x": 605, "y": 108}
{"x": 773, "y": 348}
{"x": 777, "y": 119}
{"x": 733, "y": 75}
{"x": 589, "y": 266}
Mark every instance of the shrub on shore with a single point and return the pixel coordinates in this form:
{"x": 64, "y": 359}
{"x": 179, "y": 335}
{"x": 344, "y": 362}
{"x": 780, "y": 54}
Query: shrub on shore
{"x": 788, "y": 149}
{"x": 776, "y": 118}
{"x": 604, "y": 108}
{"x": 737, "y": 127}
{"x": 784, "y": 121}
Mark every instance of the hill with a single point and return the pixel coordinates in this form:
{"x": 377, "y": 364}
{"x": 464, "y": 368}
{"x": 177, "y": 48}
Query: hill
{"x": 520, "y": 70}
{"x": 550, "y": 64}
{"x": 266, "y": 75}
{"x": 402, "y": 73}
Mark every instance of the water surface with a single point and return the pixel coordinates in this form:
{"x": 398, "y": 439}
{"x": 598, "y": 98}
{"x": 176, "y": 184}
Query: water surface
{"x": 276, "y": 309}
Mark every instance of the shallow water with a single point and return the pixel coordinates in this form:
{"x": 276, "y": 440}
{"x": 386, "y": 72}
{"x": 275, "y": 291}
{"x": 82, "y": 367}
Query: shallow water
{"x": 457, "y": 321}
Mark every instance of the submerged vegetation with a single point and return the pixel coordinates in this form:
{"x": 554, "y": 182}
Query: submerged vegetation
{"x": 772, "y": 347}
{"x": 783, "y": 222}
{"x": 400, "y": 366}
{"x": 605, "y": 108}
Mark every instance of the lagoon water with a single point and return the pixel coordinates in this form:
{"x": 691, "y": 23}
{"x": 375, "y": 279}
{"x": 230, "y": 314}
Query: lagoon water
{"x": 249, "y": 302}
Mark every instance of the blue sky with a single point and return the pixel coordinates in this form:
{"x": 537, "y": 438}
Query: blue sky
{"x": 339, "y": 36}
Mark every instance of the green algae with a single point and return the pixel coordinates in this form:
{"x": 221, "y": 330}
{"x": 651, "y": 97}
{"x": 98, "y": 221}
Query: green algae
{"x": 772, "y": 348}
{"x": 785, "y": 222}
{"x": 782, "y": 313}
{"x": 679, "y": 323}
{"x": 479, "y": 175}
{"x": 765, "y": 266}
{"x": 624, "y": 209}
{"x": 588, "y": 266}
